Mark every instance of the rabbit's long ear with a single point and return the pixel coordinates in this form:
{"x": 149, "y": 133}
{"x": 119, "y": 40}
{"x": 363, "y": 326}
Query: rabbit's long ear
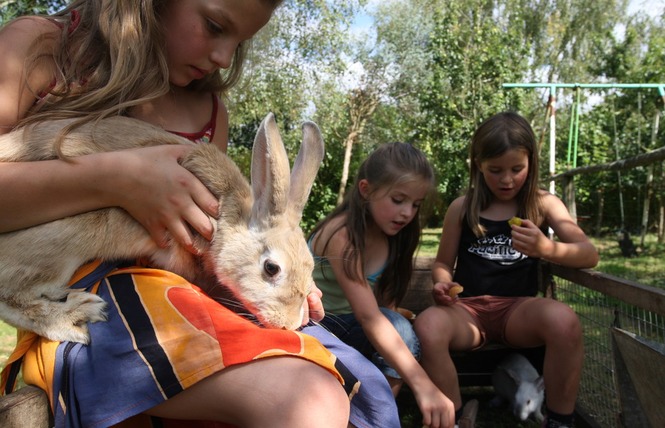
{"x": 305, "y": 169}
{"x": 270, "y": 173}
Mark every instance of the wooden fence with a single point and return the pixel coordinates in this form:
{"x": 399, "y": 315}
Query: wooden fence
{"x": 624, "y": 329}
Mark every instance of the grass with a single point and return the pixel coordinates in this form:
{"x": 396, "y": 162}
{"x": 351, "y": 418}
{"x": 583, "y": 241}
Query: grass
{"x": 647, "y": 268}
{"x": 7, "y": 341}
{"x": 429, "y": 242}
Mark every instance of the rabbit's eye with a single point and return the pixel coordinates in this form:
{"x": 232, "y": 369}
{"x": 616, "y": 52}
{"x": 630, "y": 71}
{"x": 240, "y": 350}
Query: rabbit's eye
{"x": 270, "y": 268}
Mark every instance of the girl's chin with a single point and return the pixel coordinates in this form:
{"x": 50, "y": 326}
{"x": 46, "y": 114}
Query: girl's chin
{"x": 505, "y": 193}
{"x": 181, "y": 81}
{"x": 394, "y": 230}
{"x": 504, "y": 196}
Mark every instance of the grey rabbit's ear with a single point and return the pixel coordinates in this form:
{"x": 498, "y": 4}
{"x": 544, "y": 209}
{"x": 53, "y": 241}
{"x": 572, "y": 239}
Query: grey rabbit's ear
{"x": 305, "y": 169}
{"x": 540, "y": 383}
{"x": 514, "y": 376}
{"x": 270, "y": 174}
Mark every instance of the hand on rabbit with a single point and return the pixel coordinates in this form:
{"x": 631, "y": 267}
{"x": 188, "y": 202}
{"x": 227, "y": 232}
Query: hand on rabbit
{"x": 258, "y": 251}
{"x": 163, "y": 196}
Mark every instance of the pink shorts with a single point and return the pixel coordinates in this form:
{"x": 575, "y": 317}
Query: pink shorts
{"x": 491, "y": 314}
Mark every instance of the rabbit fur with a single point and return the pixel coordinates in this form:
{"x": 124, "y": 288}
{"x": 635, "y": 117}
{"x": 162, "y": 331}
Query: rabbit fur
{"x": 258, "y": 251}
{"x": 516, "y": 381}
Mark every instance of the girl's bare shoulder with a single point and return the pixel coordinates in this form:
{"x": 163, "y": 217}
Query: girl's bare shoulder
{"x": 20, "y": 40}
{"x": 332, "y": 236}
{"x": 553, "y": 209}
{"x": 457, "y": 207}
{"x": 548, "y": 200}
{"x": 24, "y": 31}
{"x": 458, "y": 202}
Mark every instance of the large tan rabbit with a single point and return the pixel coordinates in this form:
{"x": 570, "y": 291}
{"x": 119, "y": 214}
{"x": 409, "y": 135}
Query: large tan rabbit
{"x": 258, "y": 250}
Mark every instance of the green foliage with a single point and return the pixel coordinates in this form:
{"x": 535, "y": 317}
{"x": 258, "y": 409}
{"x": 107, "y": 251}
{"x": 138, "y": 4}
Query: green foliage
{"x": 12, "y": 9}
{"x": 437, "y": 69}
{"x": 471, "y": 59}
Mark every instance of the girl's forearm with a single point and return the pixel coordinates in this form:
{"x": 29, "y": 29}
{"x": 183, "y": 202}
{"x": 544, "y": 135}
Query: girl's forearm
{"x": 441, "y": 272}
{"x": 581, "y": 255}
{"x": 38, "y": 192}
{"x": 392, "y": 348}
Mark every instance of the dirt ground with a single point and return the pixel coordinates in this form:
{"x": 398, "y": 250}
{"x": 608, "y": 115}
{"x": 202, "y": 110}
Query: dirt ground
{"x": 488, "y": 416}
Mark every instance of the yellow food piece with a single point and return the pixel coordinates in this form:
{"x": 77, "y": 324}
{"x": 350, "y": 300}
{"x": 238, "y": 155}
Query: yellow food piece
{"x": 406, "y": 313}
{"x": 455, "y": 290}
{"x": 516, "y": 221}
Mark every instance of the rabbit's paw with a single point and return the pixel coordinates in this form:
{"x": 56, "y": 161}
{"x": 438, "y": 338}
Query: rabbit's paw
{"x": 70, "y": 323}
{"x": 63, "y": 332}
{"x": 82, "y": 307}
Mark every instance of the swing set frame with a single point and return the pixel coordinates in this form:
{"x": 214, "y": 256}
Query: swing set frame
{"x": 617, "y": 165}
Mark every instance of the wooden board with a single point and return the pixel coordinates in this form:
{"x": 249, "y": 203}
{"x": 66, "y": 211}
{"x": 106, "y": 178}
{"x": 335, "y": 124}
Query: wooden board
{"x": 640, "y": 376}
{"x": 27, "y": 407}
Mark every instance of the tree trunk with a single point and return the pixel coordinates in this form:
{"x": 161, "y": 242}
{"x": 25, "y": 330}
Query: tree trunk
{"x": 647, "y": 202}
{"x": 569, "y": 196}
{"x": 599, "y": 215}
{"x": 650, "y": 183}
{"x": 361, "y": 107}
{"x": 348, "y": 146}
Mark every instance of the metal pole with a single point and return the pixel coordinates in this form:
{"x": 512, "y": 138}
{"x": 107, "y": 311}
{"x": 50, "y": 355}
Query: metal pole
{"x": 554, "y": 86}
{"x": 552, "y": 136}
{"x": 659, "y": 86}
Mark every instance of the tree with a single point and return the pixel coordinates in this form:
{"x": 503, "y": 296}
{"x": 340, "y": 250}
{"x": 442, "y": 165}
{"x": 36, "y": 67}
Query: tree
{"x": 11, "y": 9}
{"x": 383, "y": 98}
{"x": 637, "y": 57}
{"x": 290, "y": 64}
{"x": 476, "y": 47}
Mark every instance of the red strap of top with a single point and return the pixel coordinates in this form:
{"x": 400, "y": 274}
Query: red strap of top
{"x": 208, "y": 132}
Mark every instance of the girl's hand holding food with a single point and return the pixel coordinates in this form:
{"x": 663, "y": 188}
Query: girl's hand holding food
{"x": 445, "y": 293}
{"x": 528, "y": 239}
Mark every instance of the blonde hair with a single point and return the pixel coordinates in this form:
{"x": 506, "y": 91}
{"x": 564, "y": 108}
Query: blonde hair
{"x": 114, "y": 51}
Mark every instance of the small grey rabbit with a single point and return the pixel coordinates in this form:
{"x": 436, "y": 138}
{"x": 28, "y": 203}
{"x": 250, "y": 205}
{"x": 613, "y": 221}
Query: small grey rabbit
{"x": 516, "y": 381}
{"x": 258, "y": 251}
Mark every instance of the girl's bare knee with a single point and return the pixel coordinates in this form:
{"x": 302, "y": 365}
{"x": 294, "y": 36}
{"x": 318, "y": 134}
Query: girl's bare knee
{"x": 564, "y": 325}
{"x": 428, "y": 326}
{"x": 442, "y": 328}
{"x": 313, "y": 395}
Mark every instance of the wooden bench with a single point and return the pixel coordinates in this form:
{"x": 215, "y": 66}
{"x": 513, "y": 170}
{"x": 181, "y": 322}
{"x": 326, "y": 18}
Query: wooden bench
{"x": 28, "y": 406}
{"x": 25, "y": 407}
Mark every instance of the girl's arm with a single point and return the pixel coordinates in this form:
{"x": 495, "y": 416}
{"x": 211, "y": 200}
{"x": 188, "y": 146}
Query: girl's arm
{"x": 148, "y": 183}
{"x": 572, "y": 249}
{"x": 385, "y": 339}
{"x": 444, "y": 264}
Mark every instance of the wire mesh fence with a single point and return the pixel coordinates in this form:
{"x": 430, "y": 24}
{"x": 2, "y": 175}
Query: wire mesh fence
{"x": 598, "y": 312}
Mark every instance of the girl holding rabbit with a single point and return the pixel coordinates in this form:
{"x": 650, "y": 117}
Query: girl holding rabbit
{"x": 364, "y": 250}
{"x": 166, "y": 62}
{"x": 495, "y": 261}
